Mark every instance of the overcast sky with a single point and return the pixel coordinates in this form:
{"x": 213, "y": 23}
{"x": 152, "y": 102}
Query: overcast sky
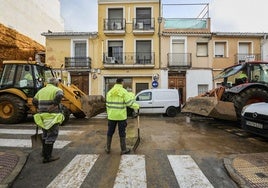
{"x": 226, "y": 15}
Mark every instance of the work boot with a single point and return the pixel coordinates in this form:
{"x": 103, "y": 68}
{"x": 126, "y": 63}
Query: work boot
{"x": 108, "y": 144}
{"x": 124, "y": 149}
{"x": 48, "y": 151}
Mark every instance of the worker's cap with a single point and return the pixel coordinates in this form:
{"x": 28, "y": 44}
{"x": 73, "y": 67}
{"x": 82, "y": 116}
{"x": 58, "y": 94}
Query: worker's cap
{"x": 53, "y": 81}
{"x": 119, "y": 80}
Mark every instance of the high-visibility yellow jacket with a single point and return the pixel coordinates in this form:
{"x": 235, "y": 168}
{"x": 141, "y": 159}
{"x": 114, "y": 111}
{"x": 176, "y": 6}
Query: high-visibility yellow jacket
{"x": 117, "y": 99}
{"x": 48, "y": 100}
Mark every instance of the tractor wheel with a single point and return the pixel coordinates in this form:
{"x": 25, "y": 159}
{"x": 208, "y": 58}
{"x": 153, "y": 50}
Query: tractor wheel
{"x": 249, "y": 96}
{"x": 79, "y": 115}
{"x": 12, "y": 109}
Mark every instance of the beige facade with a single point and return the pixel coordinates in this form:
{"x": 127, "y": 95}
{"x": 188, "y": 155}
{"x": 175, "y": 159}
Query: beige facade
{"x": 129, "y": 42}
{"x": 134, "y": 42}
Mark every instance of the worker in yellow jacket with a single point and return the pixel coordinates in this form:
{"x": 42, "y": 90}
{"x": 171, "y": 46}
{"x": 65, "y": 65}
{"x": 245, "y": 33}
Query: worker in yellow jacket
{"x": 49, "y": 116}
{"x": 117, "y": 101}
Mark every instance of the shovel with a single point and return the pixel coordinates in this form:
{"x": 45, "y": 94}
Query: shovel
{"x": 36, "y": 139}
{"x": 138, "y": 139}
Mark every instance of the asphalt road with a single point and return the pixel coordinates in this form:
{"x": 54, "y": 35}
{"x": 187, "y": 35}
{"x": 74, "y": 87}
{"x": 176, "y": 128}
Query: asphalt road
{"x": 205, "y": 142}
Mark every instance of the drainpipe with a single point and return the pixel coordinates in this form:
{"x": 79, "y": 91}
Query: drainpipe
{"x": 159, "y": 32}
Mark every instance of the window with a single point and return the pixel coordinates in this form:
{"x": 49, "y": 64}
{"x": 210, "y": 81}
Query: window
{"x": 220, "y": 49}
{"x": 202, "y": 88}
{"x": 79, "y": 53}
{"x": 146, "y": 96}
{"x": 115, "y": 51}
{"x": 109, "y": 83}
{"x": 141, "y": 86}
{"x": 143, "y": 16}
{"x": 143, "y": 49}
{"x": 202, "y": 49}
{"x": 115, "y": 19}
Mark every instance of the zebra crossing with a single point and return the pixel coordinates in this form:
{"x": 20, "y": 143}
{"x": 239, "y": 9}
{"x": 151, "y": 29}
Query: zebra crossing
{"x": 131, "y": 172}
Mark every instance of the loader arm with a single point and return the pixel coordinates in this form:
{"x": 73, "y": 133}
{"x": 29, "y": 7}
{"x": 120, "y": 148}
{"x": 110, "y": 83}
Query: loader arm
{"x": 78, "y": 102}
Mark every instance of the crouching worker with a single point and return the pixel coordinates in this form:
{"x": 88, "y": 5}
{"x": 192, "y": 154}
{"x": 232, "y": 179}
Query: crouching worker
{"x": 117, "y": 101}
{"x": 49, "y": 116}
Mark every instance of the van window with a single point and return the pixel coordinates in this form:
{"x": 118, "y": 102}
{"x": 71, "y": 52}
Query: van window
{"x": 146, "y": 96}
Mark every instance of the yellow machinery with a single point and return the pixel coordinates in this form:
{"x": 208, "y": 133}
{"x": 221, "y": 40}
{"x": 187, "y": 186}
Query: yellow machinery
{"x": 19, "y": 82}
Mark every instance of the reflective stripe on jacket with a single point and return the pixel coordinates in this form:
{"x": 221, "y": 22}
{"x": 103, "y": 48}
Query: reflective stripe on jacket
{"x": 117, "y": 99}
{"x": 47, "y": 98}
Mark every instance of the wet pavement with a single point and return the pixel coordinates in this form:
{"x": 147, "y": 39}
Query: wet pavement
{"x": 247, "y": 170}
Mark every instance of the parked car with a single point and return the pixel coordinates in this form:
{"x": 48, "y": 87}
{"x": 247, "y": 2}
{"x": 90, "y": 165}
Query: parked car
{"x": 255, "y": 118}
{"x": 161, "y": 101}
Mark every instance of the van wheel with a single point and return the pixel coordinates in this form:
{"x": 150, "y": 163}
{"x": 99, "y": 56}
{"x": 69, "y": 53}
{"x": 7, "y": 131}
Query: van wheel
{"x": 171, "y": 111}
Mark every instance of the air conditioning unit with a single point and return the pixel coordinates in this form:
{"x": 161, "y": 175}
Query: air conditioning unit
{"x": 140, "y": 25}
{"x": 110, "y": 60}
{"x": 118, "y": 25}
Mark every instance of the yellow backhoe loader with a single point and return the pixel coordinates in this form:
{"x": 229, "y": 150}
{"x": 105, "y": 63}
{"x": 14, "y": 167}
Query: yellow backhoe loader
{"x": 19, "y": 82}
{"x": 241, "y": 84}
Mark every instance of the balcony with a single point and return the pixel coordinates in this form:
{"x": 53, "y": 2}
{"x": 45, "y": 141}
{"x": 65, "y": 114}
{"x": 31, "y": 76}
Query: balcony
{"x": 179, "y": 60}
{"x": 241, "y": 58}
{"x": 114, "y": 26}
{"x": 129, "y": 60}
{"x": 143, "y": 26}
{"x": 78, "y": 63}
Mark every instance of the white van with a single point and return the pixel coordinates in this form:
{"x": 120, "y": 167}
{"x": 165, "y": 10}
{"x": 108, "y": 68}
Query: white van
{"x": 163, "y": 101}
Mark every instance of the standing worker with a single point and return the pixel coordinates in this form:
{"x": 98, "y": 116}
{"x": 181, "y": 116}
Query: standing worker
{"x": 49, "y": 116}
{"x": 117, "y": 101}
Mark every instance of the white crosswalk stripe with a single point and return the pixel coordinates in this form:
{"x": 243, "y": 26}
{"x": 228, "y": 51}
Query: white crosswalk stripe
{"x": 131, "y": 172}
{"x": 32, "y": 131}
{"x": 187, "y": 172}
{"x": 27, "y": 143}
{"x": 75, "y": 172}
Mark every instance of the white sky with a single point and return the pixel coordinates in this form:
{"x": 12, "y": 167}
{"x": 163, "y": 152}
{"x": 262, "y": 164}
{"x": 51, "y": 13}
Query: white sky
{"x": 226, "y": 15}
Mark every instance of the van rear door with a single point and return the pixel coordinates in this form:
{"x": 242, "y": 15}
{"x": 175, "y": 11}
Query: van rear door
{"x": 144, "y": 99}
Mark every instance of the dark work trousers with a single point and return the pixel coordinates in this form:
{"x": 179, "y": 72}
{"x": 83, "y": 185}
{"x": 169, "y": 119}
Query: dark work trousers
{"x": 51, "y": 134}
{"x": 121, "y": 127}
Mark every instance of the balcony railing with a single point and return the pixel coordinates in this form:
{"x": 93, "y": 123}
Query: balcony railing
{"x": 179, "y": 60}
{"x": 129, "y": 58}
{"x": 143, "y": 24}
{"x": 77, "y": 62}
{"x": 114, "y": 24}
{"x": 241, "y": 58}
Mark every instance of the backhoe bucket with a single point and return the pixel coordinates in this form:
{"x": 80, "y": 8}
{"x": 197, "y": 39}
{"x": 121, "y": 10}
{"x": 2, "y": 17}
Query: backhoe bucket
{"x": 210, "y": 107}
{"x": 93, "y": 105}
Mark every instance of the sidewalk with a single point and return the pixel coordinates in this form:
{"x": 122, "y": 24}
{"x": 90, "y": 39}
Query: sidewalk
{"x": 248, "y": 170}
{"x": 11, "y": 163}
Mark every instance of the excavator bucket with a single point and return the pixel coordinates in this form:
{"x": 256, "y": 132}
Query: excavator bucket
{"x": 210, "y": 107}
{"x": 93, "y": 105}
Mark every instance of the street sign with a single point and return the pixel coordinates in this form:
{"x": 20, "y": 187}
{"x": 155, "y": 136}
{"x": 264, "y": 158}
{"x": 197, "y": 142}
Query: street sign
{"x": 155, "y": 84}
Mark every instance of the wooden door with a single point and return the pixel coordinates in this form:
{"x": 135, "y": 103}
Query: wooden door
{"x": 178, "y": 82}
{"x": 81, "y": 81}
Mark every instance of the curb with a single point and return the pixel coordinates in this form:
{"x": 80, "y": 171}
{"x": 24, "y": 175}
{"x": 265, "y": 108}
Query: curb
{"x": 7, "y": 182}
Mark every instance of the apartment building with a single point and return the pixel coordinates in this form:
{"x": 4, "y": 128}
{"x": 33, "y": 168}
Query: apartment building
{"x": 136, "y": 43}
{"x": 129, "y": 43}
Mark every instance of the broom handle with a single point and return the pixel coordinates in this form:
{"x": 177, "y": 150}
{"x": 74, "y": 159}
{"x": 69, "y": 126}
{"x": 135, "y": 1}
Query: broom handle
{"x": 36, "y": 130}
{"x": 138, "y": 119}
